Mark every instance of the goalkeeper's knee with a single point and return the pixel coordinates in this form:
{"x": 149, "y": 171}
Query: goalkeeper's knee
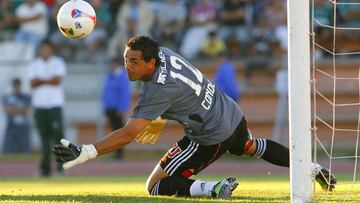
{"x": 249, "y": 144}
{"x": 242, "y": 143}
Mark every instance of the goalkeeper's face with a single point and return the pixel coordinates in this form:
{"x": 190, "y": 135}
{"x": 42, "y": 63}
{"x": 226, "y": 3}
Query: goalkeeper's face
{"x": 137, "y": 68}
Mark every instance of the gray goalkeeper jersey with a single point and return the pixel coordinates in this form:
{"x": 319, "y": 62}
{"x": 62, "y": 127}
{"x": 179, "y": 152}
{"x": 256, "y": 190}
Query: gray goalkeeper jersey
{"x": 178, "y": 91}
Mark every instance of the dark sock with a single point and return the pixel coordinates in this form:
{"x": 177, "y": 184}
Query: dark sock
{"x": 272, "y": 152}
{"x": 173, "y": 185}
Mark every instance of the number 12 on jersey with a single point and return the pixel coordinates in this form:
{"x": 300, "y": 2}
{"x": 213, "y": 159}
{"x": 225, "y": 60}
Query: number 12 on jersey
{"x": 178, "y": 63}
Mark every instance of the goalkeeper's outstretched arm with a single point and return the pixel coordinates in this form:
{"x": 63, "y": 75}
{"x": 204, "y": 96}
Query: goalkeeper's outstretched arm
{"x": 122, "y": 136}
{"x": 71, "y": 155}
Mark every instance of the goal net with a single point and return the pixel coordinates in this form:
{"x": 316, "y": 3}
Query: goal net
{"x": 335, "y": 77}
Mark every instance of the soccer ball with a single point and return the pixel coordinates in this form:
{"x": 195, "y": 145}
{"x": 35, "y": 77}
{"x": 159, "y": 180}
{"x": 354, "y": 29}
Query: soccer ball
{"x": 76, "y": 19}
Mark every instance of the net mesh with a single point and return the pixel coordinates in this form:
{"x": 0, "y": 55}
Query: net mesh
{"x": 335, "y": 34}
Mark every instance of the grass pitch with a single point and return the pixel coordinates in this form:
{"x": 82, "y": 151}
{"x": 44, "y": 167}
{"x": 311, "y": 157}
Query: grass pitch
{"x": 131, "y": 189}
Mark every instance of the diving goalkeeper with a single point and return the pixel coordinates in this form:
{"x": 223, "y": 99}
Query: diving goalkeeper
{"x": 213, "y": 123}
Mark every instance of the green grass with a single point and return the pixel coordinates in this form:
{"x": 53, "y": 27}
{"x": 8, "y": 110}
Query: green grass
{"x": 131, "y": 189}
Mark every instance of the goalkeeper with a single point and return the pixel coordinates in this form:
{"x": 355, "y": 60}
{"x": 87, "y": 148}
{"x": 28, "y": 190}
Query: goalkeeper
{"x": 213, "y": 124}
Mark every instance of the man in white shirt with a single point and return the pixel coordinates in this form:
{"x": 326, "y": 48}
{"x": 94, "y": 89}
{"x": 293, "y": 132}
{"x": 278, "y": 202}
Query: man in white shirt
{"x": 31, "y": 17}
{"x": 46, "y": 73}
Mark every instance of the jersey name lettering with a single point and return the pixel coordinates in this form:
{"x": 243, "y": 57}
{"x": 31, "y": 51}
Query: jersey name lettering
{"x": 162, "y": 75}
{"x": 209, "y": 94}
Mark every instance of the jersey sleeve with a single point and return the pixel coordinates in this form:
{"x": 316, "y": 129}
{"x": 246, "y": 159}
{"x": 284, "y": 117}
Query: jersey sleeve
{"x": 153, "y": 102}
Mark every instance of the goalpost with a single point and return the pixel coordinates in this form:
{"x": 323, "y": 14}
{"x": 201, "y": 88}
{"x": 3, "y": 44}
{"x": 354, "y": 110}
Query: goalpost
{"x": 299, "y": 100}
{"x": 302, "y": 75}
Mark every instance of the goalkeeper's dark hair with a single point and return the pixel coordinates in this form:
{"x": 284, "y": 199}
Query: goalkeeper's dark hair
{"x": 148, "y": 47}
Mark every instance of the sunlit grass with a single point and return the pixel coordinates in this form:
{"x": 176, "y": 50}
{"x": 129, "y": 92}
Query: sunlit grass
{"x": 131, "y": 189}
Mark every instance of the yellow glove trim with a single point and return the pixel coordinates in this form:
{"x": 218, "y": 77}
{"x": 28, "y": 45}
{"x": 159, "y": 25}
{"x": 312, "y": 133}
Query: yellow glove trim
{"x": 150, "y": 134}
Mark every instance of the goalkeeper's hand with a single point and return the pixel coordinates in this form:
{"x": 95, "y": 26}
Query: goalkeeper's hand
{"x": 150, "y": 134}
{"x": 70, "y": 155}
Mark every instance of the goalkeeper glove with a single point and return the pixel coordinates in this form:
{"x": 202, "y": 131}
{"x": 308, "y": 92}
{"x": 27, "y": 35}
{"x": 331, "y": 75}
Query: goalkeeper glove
{"x": 70, "y": 155}
{"x": 150, "y": 134}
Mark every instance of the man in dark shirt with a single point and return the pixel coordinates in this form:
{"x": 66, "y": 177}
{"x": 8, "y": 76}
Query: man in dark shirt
{"x": 116, "y": 98}
{"x": 17, "y": 134}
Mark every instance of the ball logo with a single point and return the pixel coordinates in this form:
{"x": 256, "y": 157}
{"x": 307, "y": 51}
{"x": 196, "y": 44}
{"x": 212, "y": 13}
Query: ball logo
{"x": 75, "y": 13}
{"x": 78, "y": 25}
{"x": 69, "y": 31}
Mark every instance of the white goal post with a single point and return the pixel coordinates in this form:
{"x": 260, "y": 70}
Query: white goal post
{"x": 298, "y": 16}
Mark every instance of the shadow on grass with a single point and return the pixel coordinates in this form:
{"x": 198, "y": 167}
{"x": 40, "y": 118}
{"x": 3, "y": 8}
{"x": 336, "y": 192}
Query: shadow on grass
{"x": 109, "y": 198}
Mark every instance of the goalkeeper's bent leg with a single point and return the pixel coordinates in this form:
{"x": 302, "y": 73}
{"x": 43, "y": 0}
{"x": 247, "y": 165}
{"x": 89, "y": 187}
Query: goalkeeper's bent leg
{"x": 184, "y": 187}
{"x": 278, "y": 154}
{"x": 272, "y": 152}
{"x": 172, "y": 185}
{"x": 159, "y": 183}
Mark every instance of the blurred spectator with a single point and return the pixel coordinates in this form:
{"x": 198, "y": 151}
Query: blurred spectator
{"x": 114, "y": 6}
{"x": 17, "y": 134}
{"x": 350, "y": 18}
{"x": 116, "y": 98}
{"x": 225, "y": 77}
{"x": 53, "y": 11}
{"x": 280, "y": 48}
{"x": 46, "y": 73}
{"x": 99, "y": 34}
{"x": 212, "y": 46}
{"x": 275, "y": 13}
{"x": 262, "y": 38}
{"x": 135, "y": 17}
{"x": 49, "y": 3}
{"x": 7, "y": 26}
{"x": 32, "y": 19}
{"x": 350, "y": 15}
{"x": 280, "y": 45}
{"x": 276, "y": 17}
{"x": 259, "y": 7}
{"x": 202, "y": 21}
{"x": 170, "y": 20}
{"x": 323, "y": 12}
{"x": 234, "y": 19}
{"x": 261, "y": 49}
{"x": 281, "y": 121}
